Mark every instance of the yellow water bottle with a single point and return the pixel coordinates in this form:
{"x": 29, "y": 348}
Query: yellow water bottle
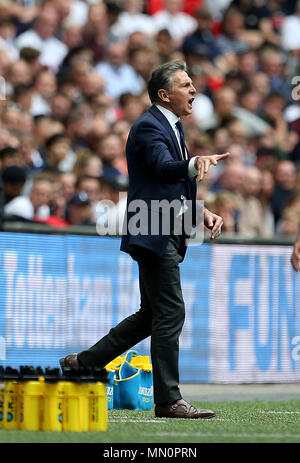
{"x": 11, "y": 406}
{"x": 1, "y": 395}
{"x": 53, "y": 400}
{"x": 98, "y": 414}
{"x": 75, "y": 406}
{"x": 31, "y": 415}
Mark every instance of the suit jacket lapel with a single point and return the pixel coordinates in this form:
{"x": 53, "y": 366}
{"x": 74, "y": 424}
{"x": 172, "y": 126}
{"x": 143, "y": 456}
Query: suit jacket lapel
{"x": 164, "y": 121}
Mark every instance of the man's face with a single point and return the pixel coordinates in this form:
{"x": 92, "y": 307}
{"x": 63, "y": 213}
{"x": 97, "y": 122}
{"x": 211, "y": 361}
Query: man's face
{"x": 41, "y": 193}
{"x": 182, "y": 95}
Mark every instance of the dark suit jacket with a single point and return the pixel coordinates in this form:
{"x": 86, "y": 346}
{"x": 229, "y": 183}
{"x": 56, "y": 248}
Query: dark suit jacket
{"x": 156, "y": 172}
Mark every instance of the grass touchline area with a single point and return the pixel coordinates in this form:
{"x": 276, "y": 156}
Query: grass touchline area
{"x": 247, "y": 421}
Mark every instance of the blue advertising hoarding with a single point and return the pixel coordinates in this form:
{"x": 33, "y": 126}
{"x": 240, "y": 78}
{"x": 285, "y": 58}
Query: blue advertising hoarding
{"x": 61, "y": 293}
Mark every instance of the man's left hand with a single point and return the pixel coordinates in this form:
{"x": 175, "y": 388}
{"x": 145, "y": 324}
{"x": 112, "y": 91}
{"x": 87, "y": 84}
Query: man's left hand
{"x": 214, "y": 222}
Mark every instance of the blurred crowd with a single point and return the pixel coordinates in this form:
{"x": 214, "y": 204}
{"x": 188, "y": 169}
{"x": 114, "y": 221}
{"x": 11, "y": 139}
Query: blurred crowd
{"x": 73, "y": 79}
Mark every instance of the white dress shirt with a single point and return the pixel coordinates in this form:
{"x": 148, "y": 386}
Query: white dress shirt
{"x": 173, "y": 119}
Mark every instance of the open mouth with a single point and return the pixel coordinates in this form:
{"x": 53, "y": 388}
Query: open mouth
{"x": 191, "y": 101}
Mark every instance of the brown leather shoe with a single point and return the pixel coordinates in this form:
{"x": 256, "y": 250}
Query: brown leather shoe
{"x": 182, "y": 409}
{"x": 70, "y": 361}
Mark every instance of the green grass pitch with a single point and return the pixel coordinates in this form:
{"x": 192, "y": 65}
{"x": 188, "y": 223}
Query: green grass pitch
{"x": 236, "y": 422}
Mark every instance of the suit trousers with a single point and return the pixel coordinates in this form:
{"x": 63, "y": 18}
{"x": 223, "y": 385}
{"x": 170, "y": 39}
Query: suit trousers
{"x": 161, "y": 316}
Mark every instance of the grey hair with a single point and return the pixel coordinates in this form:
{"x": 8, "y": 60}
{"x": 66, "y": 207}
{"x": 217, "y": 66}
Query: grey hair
{"x": 162, "y": 77}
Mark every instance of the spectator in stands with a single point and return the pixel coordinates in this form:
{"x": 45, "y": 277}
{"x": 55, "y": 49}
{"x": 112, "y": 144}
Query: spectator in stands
{"x": 143, "y": 60}
{"x": 225, "y": 203}
{"x": 7, "y": 34}
{"x": 88, "y": 163}
{"x": 58, "y": 153}
{"x": 31, "y": 57}
{"x": 18, "y": 73}
{"x": 285, "y": 183}
{"x": 16, "y": 205}
{"x": 132, "y": 19}
{"x": 5, "y": 64}
{"x": 225, "y": 107}
{"x": 266, "y": 158}
{"x": 92, "y": 186}
{"x": 8, "y": 139}
{"x": 109, "y": 151}
{"x": 41, "y": 196}
{"x": 232, "y": 28}
{"x": 45, "y": 127}
{"x": 10, "y": 156}
{"x": 293, "y": 203}
{"x": 272, "y": 64}
{"x": 78, "y": 126}
{"x": 272, "y": 113}
{"x": 203, "y": 107}
{"x": 289, "y": 223}
{"x": 58, "y": 206}
{"x": 164, "y": 45}
{"x": 43, "y": 38}
{"x": 131, "y": 106}
{"x": 60, "y": 107}
{"x": 231, "y": 179}
{"x": 67, "y": 184}
{"x": 251, "y": 100}
{"x": 95, "y": 30}
{"x": 45, "y": 88}
{"x": 71, "y": 33}
{"x": 259, "y": 20}
{"x": 79, "y": 209}
{"x": 93, "y": 86}
{"x": 31, "y": 157}
{"x": 119, "y": 76}
{"x": 202, "y": 36}
{"x": 23, "y": 95}
{"x": 251, "y": 217}
{"x": 11, "y": 117}
{"x": 178, "y": 23}
{"x": 265, "y": 196}
{"x": 290, "y": 32}
{"x": 80, "y": 67}
{"x": 71, "y": 10}
{"x": 260, "y": 82}
{"x": 247, "y": 64}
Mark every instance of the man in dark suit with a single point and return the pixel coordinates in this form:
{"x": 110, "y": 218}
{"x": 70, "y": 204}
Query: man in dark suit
{"x": 160, "y": 169}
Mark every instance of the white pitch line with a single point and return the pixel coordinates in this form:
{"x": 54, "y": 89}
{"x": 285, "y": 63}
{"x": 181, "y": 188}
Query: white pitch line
{"x": 122, "y": 420}
{"x": 278, "y": 412}
{"x": 216, "y": 435}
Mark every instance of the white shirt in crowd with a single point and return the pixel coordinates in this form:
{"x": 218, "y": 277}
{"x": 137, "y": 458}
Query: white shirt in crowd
{"x": 290, "y": 33}
{"x": 52, "y": 49}
{"x": 202, "y": 107}
{"x": 179, "y": 25}
{"x": 129, "y": 23}
{"x": 118, "y": 80}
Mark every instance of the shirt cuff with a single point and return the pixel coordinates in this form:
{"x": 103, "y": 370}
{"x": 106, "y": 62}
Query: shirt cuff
{"x": 191, "y": 169}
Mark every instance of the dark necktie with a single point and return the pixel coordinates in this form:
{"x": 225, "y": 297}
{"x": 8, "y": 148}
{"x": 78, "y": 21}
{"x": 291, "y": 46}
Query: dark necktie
{"x": 181, "y": 135}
